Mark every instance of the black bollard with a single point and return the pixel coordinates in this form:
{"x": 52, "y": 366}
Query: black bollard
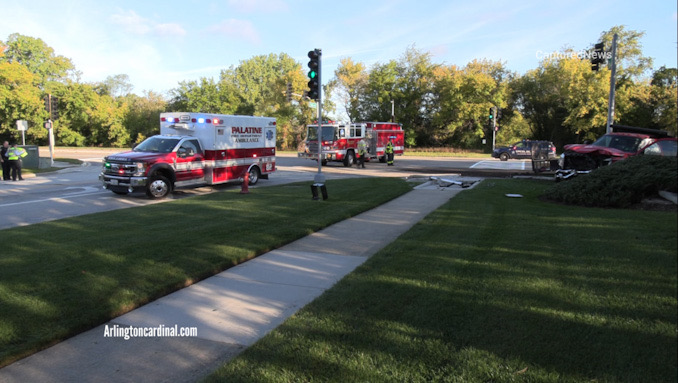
{"x": 323, "y": 190}
{"x": 314, "y": 190}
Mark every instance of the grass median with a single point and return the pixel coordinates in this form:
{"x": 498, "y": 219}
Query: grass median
{"x": 491, "y": 288}
{"x": 62, "y": 277}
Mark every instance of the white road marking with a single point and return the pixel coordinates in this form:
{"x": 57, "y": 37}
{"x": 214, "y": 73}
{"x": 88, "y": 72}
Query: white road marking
{"x": 504, "y": 165}
{"x": 86, "y": 192}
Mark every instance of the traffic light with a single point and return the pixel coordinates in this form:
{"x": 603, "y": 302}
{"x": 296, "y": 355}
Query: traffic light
{"x": 48, "y": 104}
{"x": 314, "y": 74}
{"x": 597, "y": 56}
{"x": 54, "y": 107}
{"x": 491, "y": 119}
{"x": 288, "y": 92}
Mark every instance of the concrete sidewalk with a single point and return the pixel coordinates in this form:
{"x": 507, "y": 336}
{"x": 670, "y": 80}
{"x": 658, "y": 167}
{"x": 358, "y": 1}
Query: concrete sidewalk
{"x": 230, "y": 310}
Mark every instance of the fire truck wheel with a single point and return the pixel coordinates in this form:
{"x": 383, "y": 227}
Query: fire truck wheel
{"x": 254, "y": 175}
{"x": 120, "y": 192}
{"x": 323, "y": 162}
{"x": 382, "y": 159}
{"x": 158, "y": 187}
{"x": 349, "y": 160}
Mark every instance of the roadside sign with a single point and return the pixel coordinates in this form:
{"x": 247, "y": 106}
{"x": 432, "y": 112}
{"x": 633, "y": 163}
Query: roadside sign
{"x": 22, "y": 125}
{"x": 312, "y": 104}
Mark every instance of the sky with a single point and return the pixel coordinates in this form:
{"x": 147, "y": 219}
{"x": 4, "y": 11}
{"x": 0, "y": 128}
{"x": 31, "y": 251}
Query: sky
{"x": 161, "y": 43}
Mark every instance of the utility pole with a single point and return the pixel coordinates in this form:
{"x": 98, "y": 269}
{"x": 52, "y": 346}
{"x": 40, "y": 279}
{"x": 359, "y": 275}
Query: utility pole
{"x": 613, "y": 74}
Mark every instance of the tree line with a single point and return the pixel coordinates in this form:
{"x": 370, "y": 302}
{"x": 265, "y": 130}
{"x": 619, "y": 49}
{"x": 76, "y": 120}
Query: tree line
{"x": 562, "y": 100}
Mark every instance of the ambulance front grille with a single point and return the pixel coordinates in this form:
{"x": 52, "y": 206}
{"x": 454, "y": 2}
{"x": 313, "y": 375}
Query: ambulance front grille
{"x": 120, "y": 169}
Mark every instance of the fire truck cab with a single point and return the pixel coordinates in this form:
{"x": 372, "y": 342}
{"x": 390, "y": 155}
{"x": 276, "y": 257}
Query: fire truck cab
{"x": 192, "y": 149}
{"x": 340, "y": 141}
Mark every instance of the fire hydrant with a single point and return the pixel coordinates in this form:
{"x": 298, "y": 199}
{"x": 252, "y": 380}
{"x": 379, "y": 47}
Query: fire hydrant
{"x": 245, "y": 183}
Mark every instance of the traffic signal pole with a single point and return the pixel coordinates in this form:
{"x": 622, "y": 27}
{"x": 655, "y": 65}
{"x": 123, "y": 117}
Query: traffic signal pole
{"x": 613, "y": 74}
{"x": 50, "y": 108}
{"x": 315, "y": 93}
{"x": 493, "y": 125}
{"x": 320, "y": 177}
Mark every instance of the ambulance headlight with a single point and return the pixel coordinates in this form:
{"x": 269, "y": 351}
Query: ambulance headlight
{"x": 140, "y": 169}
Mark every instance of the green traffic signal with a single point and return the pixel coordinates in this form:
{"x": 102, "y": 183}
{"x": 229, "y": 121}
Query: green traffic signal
{"x": 314, "y": 74}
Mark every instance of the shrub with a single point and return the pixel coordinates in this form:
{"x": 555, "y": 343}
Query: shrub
{"x": 621, "y": 184}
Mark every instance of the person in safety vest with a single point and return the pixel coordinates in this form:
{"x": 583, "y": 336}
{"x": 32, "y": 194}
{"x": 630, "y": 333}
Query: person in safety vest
{"x": 389, "y": 152}
{"x": 14, "y": 156}
{"x": 5, "y": 162}
{"x": 362, "y": 153}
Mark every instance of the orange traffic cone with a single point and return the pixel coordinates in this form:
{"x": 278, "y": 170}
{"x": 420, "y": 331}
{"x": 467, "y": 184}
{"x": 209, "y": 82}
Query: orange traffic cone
{"x": 245, "y": 184}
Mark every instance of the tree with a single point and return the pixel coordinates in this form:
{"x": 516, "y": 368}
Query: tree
{"x": 204, "y": 96}
{"x": 19, "y": 99}
{"x": 651, "y": 104}
{"x": 665, "y": 99}
{"x": 350, "y": 79}
{"x": 463, "y": 100}
{"x": 143, "y": 115}
{"x": 563, "y": 100}
{"x": 406, "y": 82}
{"x": 631, "y": 64}
{"x": 116, "y": 86}
{"x": 37, "y": 57}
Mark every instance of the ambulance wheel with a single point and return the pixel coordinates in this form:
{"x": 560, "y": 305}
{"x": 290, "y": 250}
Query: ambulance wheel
{"x": 158, "y": 187}
{"x": 349, "y": 160}
{"x": 254, "y": 175}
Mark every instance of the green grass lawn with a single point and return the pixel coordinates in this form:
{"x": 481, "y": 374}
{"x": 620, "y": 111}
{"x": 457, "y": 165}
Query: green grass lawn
{"x": 492, "y": 289}
{"x": 49, "y": 170}
{"x": 62, "y": 277}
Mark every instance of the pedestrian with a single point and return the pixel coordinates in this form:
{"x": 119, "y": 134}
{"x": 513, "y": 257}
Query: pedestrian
{"x": 4, "y": 161}
{"x": 389, "y": 152}
{"x": 14, "y": 155}
{"x": 362, "y": 153}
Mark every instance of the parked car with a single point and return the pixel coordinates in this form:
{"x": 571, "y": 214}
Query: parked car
{"x": 621, "y": 143}
{"x": 662, "y": 147}
{"x": 523, "y": 149}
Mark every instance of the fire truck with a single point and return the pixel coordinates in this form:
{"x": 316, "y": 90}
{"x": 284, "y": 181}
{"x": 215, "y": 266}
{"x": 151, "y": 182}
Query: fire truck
{"x": 340, "y": 141}
{"x": 192, "y": 149}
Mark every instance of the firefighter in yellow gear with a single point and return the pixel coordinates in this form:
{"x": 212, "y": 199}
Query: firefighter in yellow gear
{"x": 362, "y": 153}
{"x": 389, "y": 153}
{"x": 14, "y": 156}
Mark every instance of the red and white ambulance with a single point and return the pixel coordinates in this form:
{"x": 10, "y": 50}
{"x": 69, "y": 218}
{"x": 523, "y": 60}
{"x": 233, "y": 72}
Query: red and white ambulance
{"x": 340, "y": 141}
{"x": 192, "y": 149}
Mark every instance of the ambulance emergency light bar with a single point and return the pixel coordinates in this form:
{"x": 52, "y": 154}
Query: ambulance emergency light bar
{"x": 194, "y": 120}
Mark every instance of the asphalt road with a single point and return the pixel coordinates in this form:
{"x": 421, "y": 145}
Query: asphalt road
{"x": 75, "y": 190}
